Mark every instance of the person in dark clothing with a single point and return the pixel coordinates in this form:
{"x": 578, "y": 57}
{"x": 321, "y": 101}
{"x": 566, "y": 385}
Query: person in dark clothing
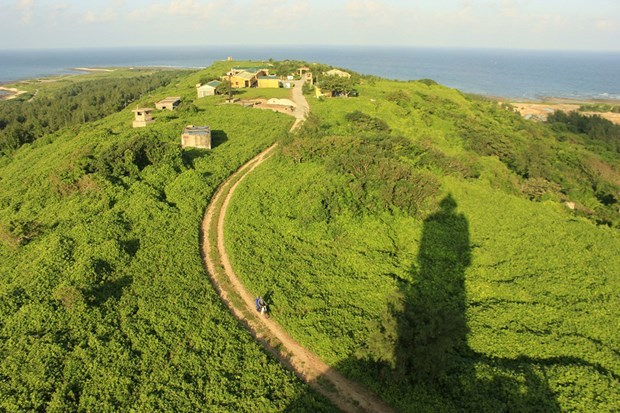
{"x": 261, "y": 306}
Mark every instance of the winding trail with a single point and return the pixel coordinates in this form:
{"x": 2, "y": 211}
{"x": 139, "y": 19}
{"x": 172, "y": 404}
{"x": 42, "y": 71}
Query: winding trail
{"x": 344, "y": 393}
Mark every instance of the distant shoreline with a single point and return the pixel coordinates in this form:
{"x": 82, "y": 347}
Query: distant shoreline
{"x": 485, "y": 72}
{"x": 8, "y": 91}
{"x": 75, "y": 71}
{"x": 92, "y": 69}
{"x": 540, "y": 110}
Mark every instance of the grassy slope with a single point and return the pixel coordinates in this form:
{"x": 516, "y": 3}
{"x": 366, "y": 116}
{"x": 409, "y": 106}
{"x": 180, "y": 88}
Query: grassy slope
{"x": 104, "y": 304}
{"x": 540, "y": 288}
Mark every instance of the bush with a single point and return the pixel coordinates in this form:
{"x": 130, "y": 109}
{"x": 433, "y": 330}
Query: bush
{"x": 366, "y": 123}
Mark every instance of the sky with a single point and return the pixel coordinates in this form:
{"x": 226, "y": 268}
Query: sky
{"x": 515, "y": 24}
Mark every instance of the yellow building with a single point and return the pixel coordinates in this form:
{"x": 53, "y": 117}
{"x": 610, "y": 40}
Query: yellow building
{"x": 305, "y": 74}
{"x": 243, "y": 79}
{"x": 319, "y": 93}
{"x": 268, "y": 82}
{"x": 258, "y": 71}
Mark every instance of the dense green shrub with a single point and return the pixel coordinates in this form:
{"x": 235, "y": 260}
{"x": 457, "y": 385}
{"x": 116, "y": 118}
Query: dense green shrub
{"x": 497, "y": 297}
{"x": 366, "y": 123}
{"x": 104, "y": 300}
{"x": 80, "y": 102}
{"x": 600, "y": 131}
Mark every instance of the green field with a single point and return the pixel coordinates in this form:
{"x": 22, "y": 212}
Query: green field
{"x": 104, "y": 302}
{"x": 416, "y": 238}
{"x": 477, "y": 295}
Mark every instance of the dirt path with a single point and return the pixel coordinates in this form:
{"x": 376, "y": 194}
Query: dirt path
{"x": 347, "y": 395}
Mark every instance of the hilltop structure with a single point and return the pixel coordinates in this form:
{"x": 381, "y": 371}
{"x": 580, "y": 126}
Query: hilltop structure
{"x": 196, "y": 137}
{"x": 169, "y": 103}
{"x": 208, "y": 89}
{"x": 268, "y": 82}
{"x": 142, "y": 117}
{"x": 305, "y": 74}
{"x": 244, "y": 77}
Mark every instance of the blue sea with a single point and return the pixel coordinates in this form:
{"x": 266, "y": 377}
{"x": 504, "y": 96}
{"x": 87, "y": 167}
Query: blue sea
{"x": 504, "y": 73}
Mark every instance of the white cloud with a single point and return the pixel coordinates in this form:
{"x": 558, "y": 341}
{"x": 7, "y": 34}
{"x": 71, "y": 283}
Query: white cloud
{"x": 275, "y": 14}
{"x": 509, "y": 9}
{"x": 109, "y": 14}
{"x": 606, "y": 25}
{"x": 361, "y": 9}
{"x": 25, "y": 8}
{"x": 187, "y": 8}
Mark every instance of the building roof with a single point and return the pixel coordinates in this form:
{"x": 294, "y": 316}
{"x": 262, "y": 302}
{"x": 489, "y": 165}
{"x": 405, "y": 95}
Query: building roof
{"x": 250, "y": 69}
{"x": 245, "y": 75}
{"x": 170, "y": 99}
{"x": 211, "y": 85}
{"x": 196, "y": 130}
{"x": 269, "y": 77}
{"x": 143, "y": 110}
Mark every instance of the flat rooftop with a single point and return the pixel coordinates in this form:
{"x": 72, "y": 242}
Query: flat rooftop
{"x": 197, "y": 130}
{"x": 170, "y": 99}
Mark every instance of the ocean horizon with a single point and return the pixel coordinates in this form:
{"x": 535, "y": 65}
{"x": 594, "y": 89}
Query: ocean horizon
{"x": 508, "y": 73}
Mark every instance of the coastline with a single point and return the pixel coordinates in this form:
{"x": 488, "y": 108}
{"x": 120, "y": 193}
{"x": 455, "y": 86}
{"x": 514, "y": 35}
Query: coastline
{"x": 92, "y": 69}
{"x": 540, "y": 109}
{"x": 11, "y": 93}
{"x": 535, "y": 109}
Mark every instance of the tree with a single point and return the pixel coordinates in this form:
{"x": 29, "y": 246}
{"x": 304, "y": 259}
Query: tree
{"x": 222, "y": 88}
{"x": 339, "y": 86}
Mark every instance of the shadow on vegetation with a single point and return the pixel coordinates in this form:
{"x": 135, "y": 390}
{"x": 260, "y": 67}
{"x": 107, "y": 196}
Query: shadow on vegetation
{"x": 218, "y": 137}
{"x": 432, "y": 353}
{"x": 189, "y": 155}
{"x": 131, "y": 246}
{"x": 107, "y": 290}
{"x": 426, "y": 362}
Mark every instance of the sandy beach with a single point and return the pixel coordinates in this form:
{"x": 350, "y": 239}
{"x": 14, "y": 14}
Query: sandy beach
{"x": 91, "y": 69}
{"x": 540, "y": 110}
{"x": 11, "y": 93}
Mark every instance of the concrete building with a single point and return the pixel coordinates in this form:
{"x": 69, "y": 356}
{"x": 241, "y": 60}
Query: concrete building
{"x": 142, "y": 117}
{"x": 243, "y": 79}
{"x": 320, "y": 93}
{"x": 268, "y": 82}
{"x": 305, "y": 74}
{"x": 258, "y": 71}
{"x": 196, "y": 137}
{"x": 208, "y": 89}
{"x": 169, "y": 103}
{"x": 336, "y": 72}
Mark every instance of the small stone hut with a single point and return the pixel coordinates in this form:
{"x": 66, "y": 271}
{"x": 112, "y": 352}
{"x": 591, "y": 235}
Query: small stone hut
{"x": 169, "y": 103}
{"x": 196, "y": 137}
{"x": 142, "y": 117}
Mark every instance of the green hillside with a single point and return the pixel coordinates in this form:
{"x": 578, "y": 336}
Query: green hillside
{"x": 104, "y": 302}
{"x": 419, "y": 241}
